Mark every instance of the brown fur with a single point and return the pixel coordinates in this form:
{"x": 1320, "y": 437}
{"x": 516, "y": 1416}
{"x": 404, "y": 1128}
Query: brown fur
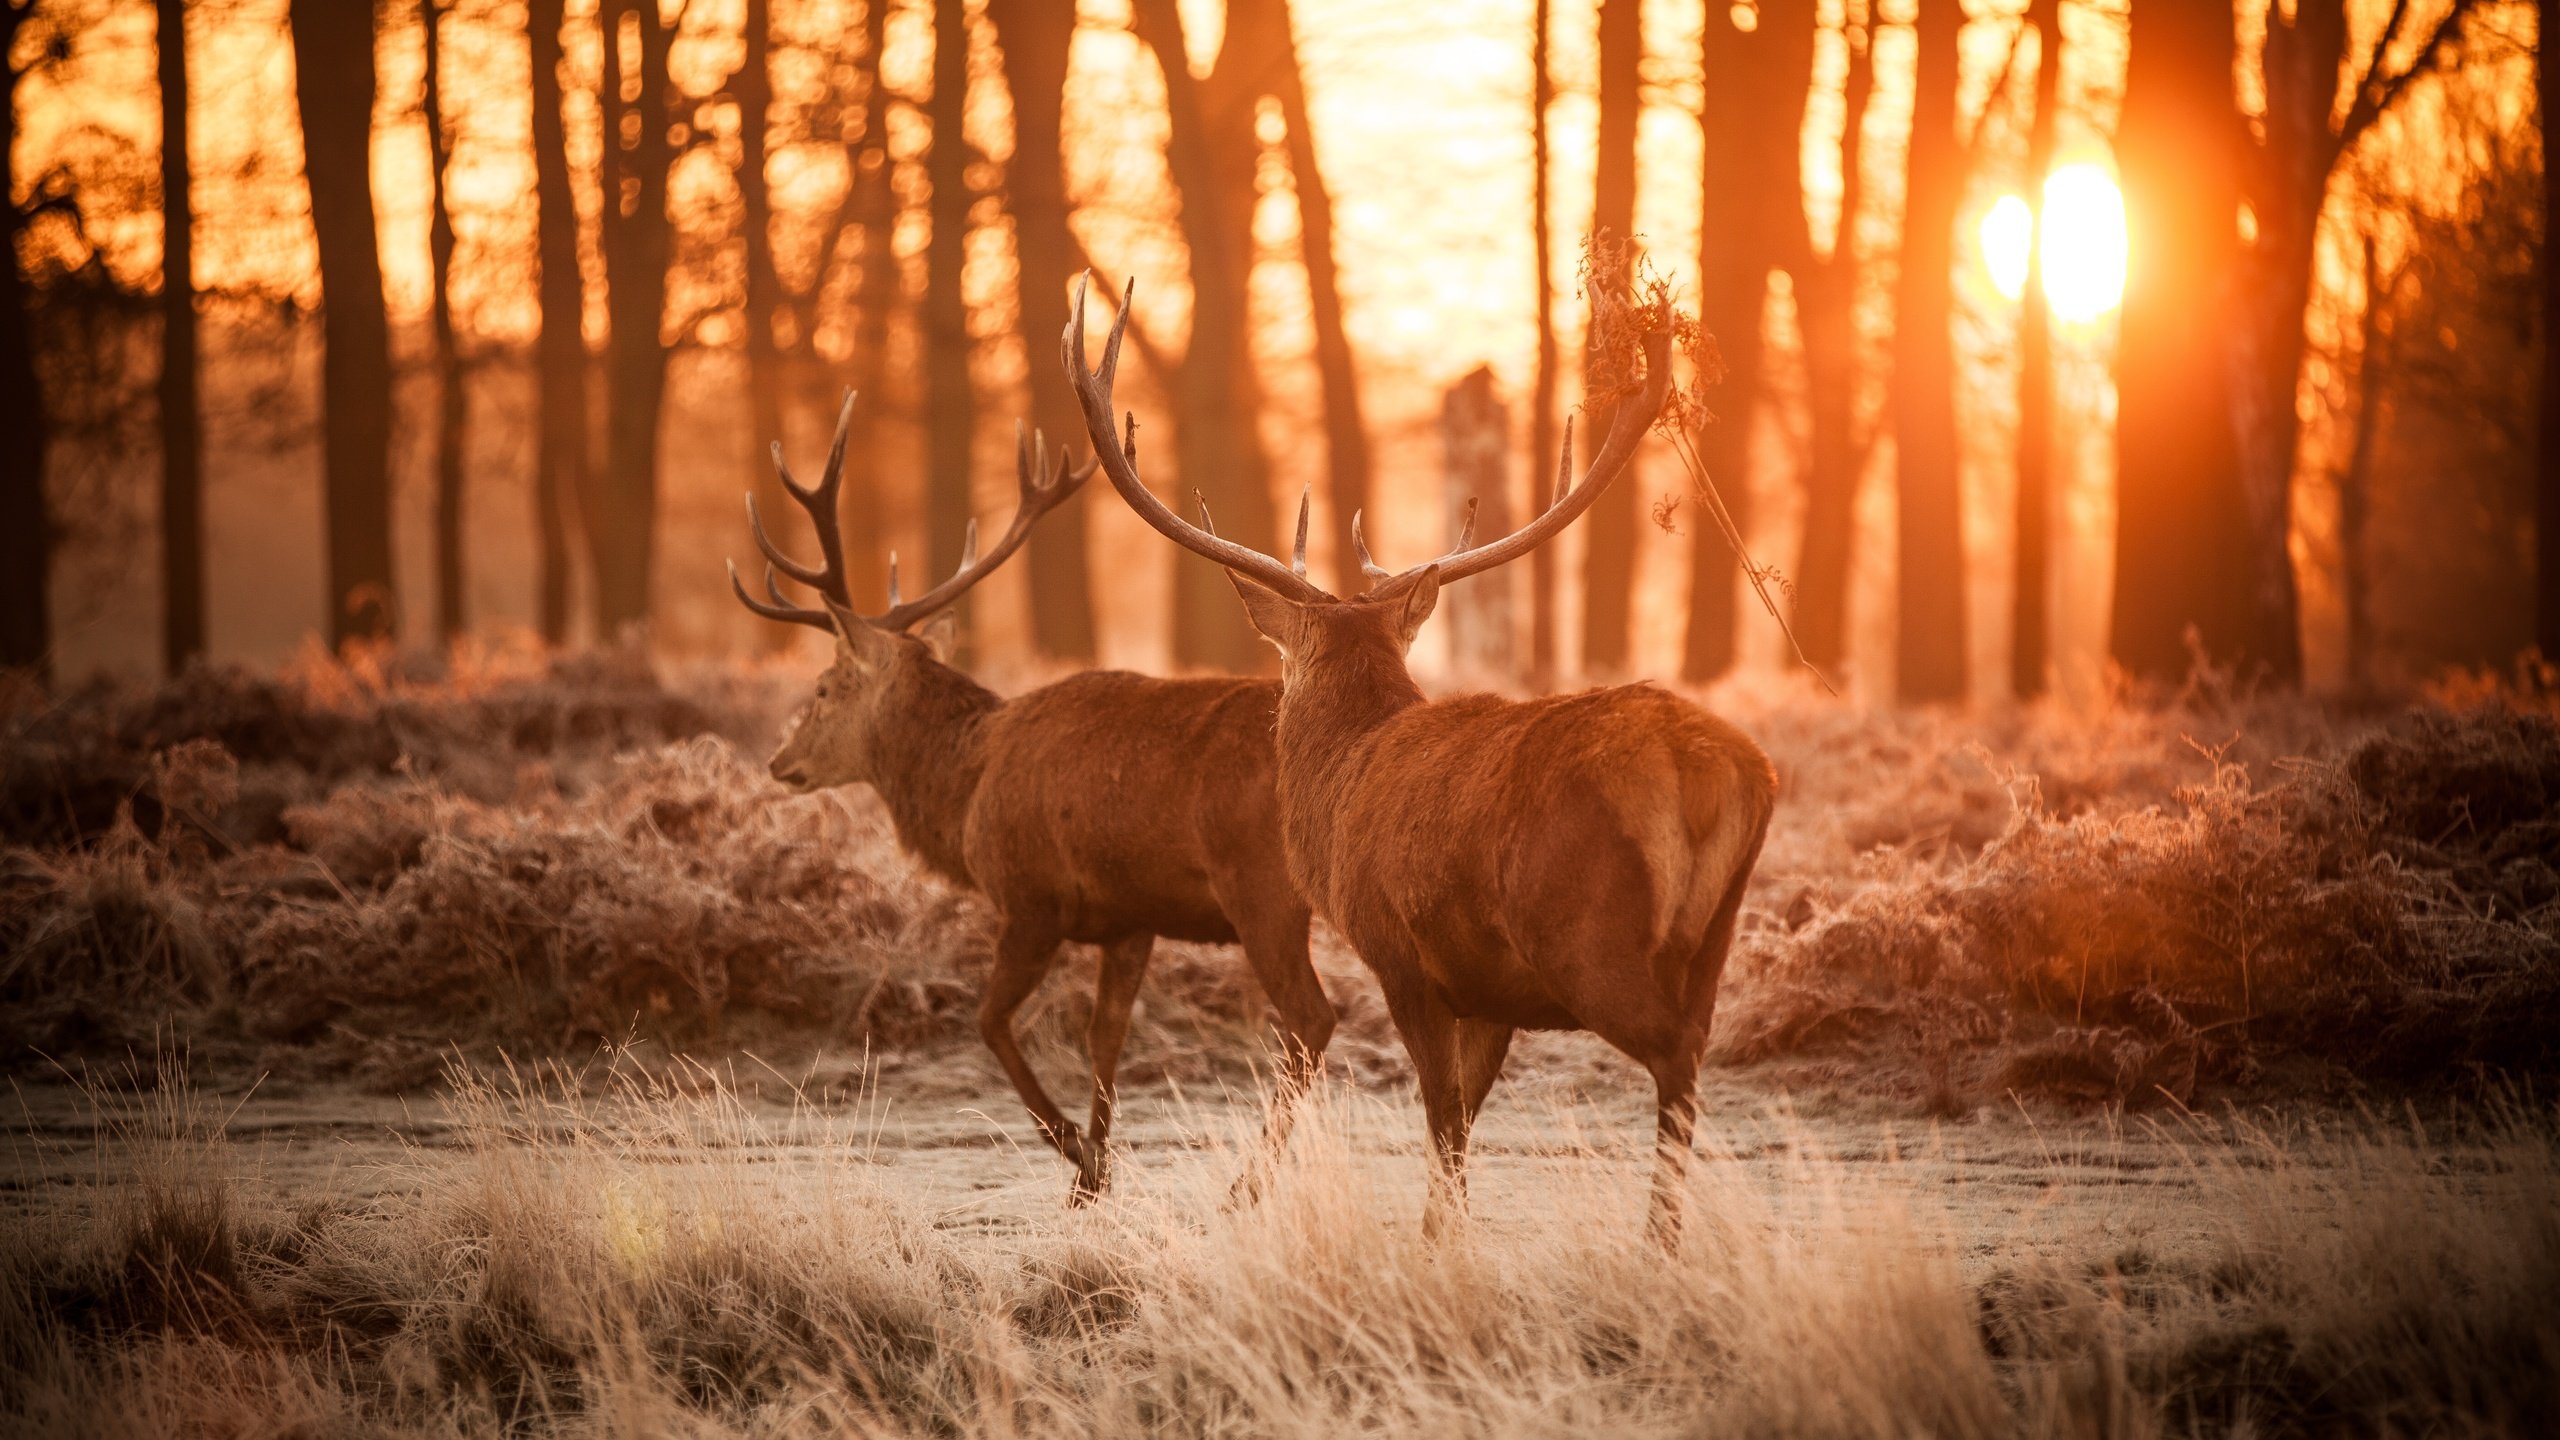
{"x": 1108, "y": 808}
{"x": 1569, "y": 863}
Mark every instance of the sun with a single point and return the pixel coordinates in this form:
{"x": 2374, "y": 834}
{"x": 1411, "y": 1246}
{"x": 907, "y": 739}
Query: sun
{"x": 2084, "y": 243}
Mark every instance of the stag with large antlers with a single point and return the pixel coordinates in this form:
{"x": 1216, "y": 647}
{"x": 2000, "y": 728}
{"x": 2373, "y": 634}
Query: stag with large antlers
{"x": 1108, "y": 808}
{"x": 1569, "y": 863}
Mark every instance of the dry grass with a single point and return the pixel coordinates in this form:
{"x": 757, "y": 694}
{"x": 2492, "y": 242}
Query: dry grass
{"x": 616, "y": 1258}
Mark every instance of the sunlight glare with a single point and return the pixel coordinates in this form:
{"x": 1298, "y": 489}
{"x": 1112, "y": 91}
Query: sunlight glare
{"x": 2084, "y": 243}
{"x": 2006, "y": 233}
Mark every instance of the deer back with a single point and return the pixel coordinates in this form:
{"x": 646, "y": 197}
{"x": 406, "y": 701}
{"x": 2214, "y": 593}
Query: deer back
{"x": 1131, "y": 803}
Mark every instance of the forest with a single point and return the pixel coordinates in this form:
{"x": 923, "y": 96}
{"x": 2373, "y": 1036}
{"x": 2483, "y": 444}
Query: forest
{"x": 1960, "y": 600}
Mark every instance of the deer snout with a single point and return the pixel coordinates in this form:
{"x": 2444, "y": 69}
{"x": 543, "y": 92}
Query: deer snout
{"x": 788, "y": 772}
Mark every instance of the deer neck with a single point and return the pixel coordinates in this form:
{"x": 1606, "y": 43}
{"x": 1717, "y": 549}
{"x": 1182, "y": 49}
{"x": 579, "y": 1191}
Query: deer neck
{"x": 929, "y": 762}
{"x": 1330, "y": 712}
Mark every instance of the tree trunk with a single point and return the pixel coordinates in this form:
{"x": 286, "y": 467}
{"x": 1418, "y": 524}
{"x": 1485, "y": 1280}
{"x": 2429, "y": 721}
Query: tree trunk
{"x": 1929, "y": 641}
{"x": 949, "y": 404}
{"x": 877, "y": 291}
{"x": 622, "y": 518}
{"x": 753, "y": 90}
{"x": 1753, "y": 117}
{"x": 560, "y": 352}
{"x": 1542, "y": 391}
{"x": 333, "y": 52}
{"x": 1036, "y": 36}
{"x": 1609, "y": 531}
{"x": 1826, "y": 295}
{"x": 1475, "y": 448}
{"x": 1217, "y": 448}
{"x": 452, "y": 402}
{"x": 1348, "y": 467}
{"x": 26, "y": 526}
{"x": 2029, "y": 633}
{"x": 2546, "y": 535}
{"x": 181, "y": 427}
{"x": 2355, "y": 485}
{"x": 2182, "y": 557}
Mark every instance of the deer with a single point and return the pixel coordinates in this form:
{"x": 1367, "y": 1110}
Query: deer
{"x": 1572, "y": 862}
{"x": 1106, "y": 808}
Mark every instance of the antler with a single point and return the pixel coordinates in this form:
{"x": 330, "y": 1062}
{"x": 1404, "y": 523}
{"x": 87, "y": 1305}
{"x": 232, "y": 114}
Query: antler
{"x": 1620, "y": 448}
{"x": 1119, "y": 458}
{"x": 820, "y": 502}
{"x": 1119, "y": 462}
{"x": 1042, "y": 489}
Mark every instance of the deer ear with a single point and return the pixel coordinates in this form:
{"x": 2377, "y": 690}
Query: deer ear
{"x": 1421, "y": 596}
{"x": 1277, "y": 617}
{"x": 941, "y": 635}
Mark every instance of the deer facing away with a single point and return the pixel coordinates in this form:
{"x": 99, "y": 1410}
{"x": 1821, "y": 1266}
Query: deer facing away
{"x": 1569, "y": 863}
{"x": 1107, "y": 808}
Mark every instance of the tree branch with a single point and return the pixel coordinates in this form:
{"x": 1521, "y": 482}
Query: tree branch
{"x": 2377, "y": 91}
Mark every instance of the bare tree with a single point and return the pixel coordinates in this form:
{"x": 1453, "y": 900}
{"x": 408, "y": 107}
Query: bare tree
{"x": 1542, "y": 391}
{"x": 1267, "y": 32}
{"x": 1753, "y": 101}
{"x": 950, "y": 403}
{"x": 621, "y": 513}
{"x": 2546, "y": 535}
{"x": 181, "y": 427}
{"x": 26, "y": 526}
{"x": 1929, "y": 644}
{"x": 333, "y": 53}
{"x": 1216, "y": 402}
{"x": 452, "y": 399}
{"x": 1036, "y": 37}
{"x": 2181, "y": 552}
{"x": 877, "y": 293}
{"x": 1826, "y": 286}
{"x": 2029, "y": 645}
{"x": 1608, "y": 563}
{"x": 560, "y": 450}
{"x": 752, "y": 88}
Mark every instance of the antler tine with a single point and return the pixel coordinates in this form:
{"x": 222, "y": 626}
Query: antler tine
{"x": 819, "y": 500}
{"x": 780, "y": 608}
{"x": 1466, "y": 526}
{"x": 893, "y": 579}
{"x": 1633, "y": 419}
{"x": 805, "y": 574}
{"x": 1564, "y": 468}
{"x": 1117, "y": 454}
{"x": 969, "y": 544}
{"x": 1360, "y": 544}
{"x": 1298, "y": 550}
{"x": 1202, "y": 502}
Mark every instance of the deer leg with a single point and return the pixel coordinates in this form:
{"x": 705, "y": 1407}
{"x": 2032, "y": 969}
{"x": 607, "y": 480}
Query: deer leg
{"x": 1675, "y": 1089}
{"x": 1277, "y": 950}
{"x": 1124, "y": 967}
{"x": 1024, "y": 952}
{"x": 1482, "y": 1044}
{"x": 1676, "y": 1082}
{"x": 1430, "y": 1035}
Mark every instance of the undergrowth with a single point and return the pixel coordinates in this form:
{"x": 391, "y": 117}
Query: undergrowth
{"x": 350, "y": 868}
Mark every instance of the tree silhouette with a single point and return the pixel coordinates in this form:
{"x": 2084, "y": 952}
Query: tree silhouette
{"x": 1753, "y": 115}
{"x": 181, "y": 428}
{"x": 333, "y": 54}
{"x": 1609, "y": 531}
{"x": 560, "y": 351}
{"x": 1929, "y": 630}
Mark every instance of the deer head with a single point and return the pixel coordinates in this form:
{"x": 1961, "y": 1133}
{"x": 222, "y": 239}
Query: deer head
{"x": 885, "y": 674}
{"x": 1313, "y": 629}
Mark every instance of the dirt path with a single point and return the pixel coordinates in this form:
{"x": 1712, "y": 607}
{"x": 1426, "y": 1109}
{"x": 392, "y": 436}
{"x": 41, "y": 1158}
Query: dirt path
{"x": 1565, "y": 1143}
